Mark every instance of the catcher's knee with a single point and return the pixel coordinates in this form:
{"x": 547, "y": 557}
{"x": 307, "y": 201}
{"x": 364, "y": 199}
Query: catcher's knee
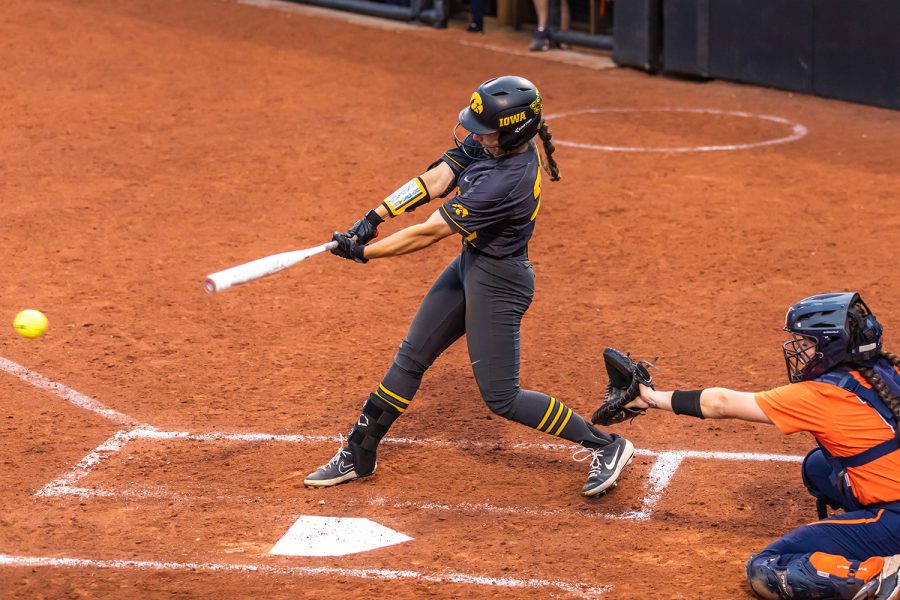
{"x": 814, "y": 576}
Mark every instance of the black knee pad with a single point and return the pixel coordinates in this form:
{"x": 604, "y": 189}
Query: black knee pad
{"x": 776, "y": 577}
{"x": 762, "y": 575}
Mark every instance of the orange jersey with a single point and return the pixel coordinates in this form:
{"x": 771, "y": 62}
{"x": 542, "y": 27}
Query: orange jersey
{"x": 845, "y": 425}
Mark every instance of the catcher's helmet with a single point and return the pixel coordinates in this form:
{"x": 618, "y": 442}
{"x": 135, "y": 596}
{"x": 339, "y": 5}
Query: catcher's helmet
{"x": 839, "y": 325}
{"x": 509, "y": 104}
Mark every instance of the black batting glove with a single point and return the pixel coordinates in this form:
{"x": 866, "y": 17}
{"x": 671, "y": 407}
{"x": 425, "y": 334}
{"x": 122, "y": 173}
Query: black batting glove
{"x": 348, "y": 248}
{"x": 366, "y": 229}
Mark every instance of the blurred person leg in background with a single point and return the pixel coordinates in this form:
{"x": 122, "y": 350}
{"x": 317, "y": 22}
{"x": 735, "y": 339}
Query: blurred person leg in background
{"x": 477, "y": 24}
{"x": 543, "y": 40}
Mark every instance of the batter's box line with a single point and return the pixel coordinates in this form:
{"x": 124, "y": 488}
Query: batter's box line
{"x": 660, "y": 476}
{"x": 661, "y": 473}
{"x": 68, "y": 394}
{"x": 448, "y": 577}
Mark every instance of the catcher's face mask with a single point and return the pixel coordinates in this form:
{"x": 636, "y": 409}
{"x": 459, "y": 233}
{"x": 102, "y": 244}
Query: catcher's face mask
{"x": 799, "y": 351}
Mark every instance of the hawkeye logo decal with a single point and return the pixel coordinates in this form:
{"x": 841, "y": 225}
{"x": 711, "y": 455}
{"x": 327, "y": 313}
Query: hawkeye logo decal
{"x": 504, "y": 121}
{"x": 538, "y": 104}
{"x": 460, "y": 210}
{"x": 475, "y": 103}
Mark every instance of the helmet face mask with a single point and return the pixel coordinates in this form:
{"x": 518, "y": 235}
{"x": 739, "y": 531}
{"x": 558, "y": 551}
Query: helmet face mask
{"x": 468, "y": 145}
{"x": 799, "y": 352}
{"x": 508, "y": 105}
{"x": 838, "y": 327}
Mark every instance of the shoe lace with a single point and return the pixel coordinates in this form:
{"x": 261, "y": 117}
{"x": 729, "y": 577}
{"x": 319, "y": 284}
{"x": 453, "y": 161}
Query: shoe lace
{"x": 340, "y": 451}
{"x": 583, "y": 454}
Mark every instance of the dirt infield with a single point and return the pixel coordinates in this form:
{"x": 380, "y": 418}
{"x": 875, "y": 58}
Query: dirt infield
{"x": 148, "y": 143}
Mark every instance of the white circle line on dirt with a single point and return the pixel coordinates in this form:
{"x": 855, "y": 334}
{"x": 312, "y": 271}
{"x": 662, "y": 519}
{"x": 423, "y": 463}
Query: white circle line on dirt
{"x": 798, "y": 131}
{"x": 575, "y": 589}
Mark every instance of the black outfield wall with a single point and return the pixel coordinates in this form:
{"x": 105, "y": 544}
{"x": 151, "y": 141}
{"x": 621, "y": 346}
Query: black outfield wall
{"x": 857, "y": 51}
{"x": 834, "y": 48}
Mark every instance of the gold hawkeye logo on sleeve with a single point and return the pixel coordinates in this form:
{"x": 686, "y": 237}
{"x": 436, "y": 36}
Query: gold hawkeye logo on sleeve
{"x": 460, "y": 210}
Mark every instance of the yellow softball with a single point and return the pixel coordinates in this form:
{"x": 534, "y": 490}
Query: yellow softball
{"x": 30, "y": 323}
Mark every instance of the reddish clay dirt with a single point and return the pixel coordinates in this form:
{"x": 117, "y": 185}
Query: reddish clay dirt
{"x": 146, "y": 144}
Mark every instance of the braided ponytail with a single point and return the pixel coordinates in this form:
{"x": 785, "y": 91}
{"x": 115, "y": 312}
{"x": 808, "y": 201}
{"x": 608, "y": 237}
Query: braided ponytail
{"x": 546, "y": 135}
{"x": 892, "y": 402}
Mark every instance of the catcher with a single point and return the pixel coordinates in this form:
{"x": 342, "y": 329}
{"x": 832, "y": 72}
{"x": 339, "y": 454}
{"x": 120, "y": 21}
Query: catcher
{"x": 493, "y": 178}
{"x": 846, "y": 392}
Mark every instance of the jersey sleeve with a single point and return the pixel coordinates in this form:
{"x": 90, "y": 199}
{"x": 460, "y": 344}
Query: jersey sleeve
{"x": 458, "y": 160}
{"x": 479, "y": 207}
{"x": 795, "y": 407}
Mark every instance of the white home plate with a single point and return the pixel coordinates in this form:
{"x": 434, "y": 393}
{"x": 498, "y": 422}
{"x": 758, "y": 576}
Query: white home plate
{"x": 335, "y": 536}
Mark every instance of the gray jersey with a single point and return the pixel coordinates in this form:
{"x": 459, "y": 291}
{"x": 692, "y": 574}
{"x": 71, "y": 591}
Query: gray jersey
{"x": 497, "y": 202}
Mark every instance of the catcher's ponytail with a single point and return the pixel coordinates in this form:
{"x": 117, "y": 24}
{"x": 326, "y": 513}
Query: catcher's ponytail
{"x": 892, "y": 401}
{"x": 546, "y": 135}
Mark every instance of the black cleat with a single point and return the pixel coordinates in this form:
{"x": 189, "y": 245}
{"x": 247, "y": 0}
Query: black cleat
{"x": 607, "y": 464}
{"x": 541, "y": 41}
{"x": 340, "y": 469}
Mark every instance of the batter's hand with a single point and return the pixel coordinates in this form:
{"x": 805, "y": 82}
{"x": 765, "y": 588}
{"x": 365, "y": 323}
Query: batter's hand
{"x": 348, "y": 248}
{"x": 366, "y": 229}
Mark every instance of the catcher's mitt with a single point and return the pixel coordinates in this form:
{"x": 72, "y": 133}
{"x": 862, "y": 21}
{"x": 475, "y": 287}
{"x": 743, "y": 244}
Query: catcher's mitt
{"x": 624, "y": 377}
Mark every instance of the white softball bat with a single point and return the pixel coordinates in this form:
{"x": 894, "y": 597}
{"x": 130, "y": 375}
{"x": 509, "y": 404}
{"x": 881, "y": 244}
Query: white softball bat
{"x": 262, "y": 267}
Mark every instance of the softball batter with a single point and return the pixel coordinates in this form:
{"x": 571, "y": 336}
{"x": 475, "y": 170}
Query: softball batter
{"x": 484, "y": 292}
{"x": 846, "y": 392}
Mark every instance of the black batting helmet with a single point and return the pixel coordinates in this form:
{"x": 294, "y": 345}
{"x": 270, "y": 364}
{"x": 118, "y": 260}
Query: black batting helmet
{"x": 510, "y": 105}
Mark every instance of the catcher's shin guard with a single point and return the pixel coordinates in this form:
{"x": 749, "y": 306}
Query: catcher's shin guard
{"x": 814, "y": 576}
{"x": 373, "y": 423}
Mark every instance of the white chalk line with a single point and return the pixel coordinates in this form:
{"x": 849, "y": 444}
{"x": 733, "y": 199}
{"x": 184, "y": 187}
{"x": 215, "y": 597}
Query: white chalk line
{"x": 66, "y": 393}
{"x": 798, "y": 131}
{"x": 154, "y": 434}
{"x": 661, "y": 474}
{"x": 486, "y": 508}
{"x": 86, "y": 464}
{"x": 576, "y": 589}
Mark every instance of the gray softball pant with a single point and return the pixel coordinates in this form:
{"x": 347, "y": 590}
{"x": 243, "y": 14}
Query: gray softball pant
{"x": 484, "y": 298}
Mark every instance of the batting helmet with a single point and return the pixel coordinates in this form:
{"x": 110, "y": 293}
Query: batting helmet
{"x": 841, "y": 327}
{"x": 510, "y": 105}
